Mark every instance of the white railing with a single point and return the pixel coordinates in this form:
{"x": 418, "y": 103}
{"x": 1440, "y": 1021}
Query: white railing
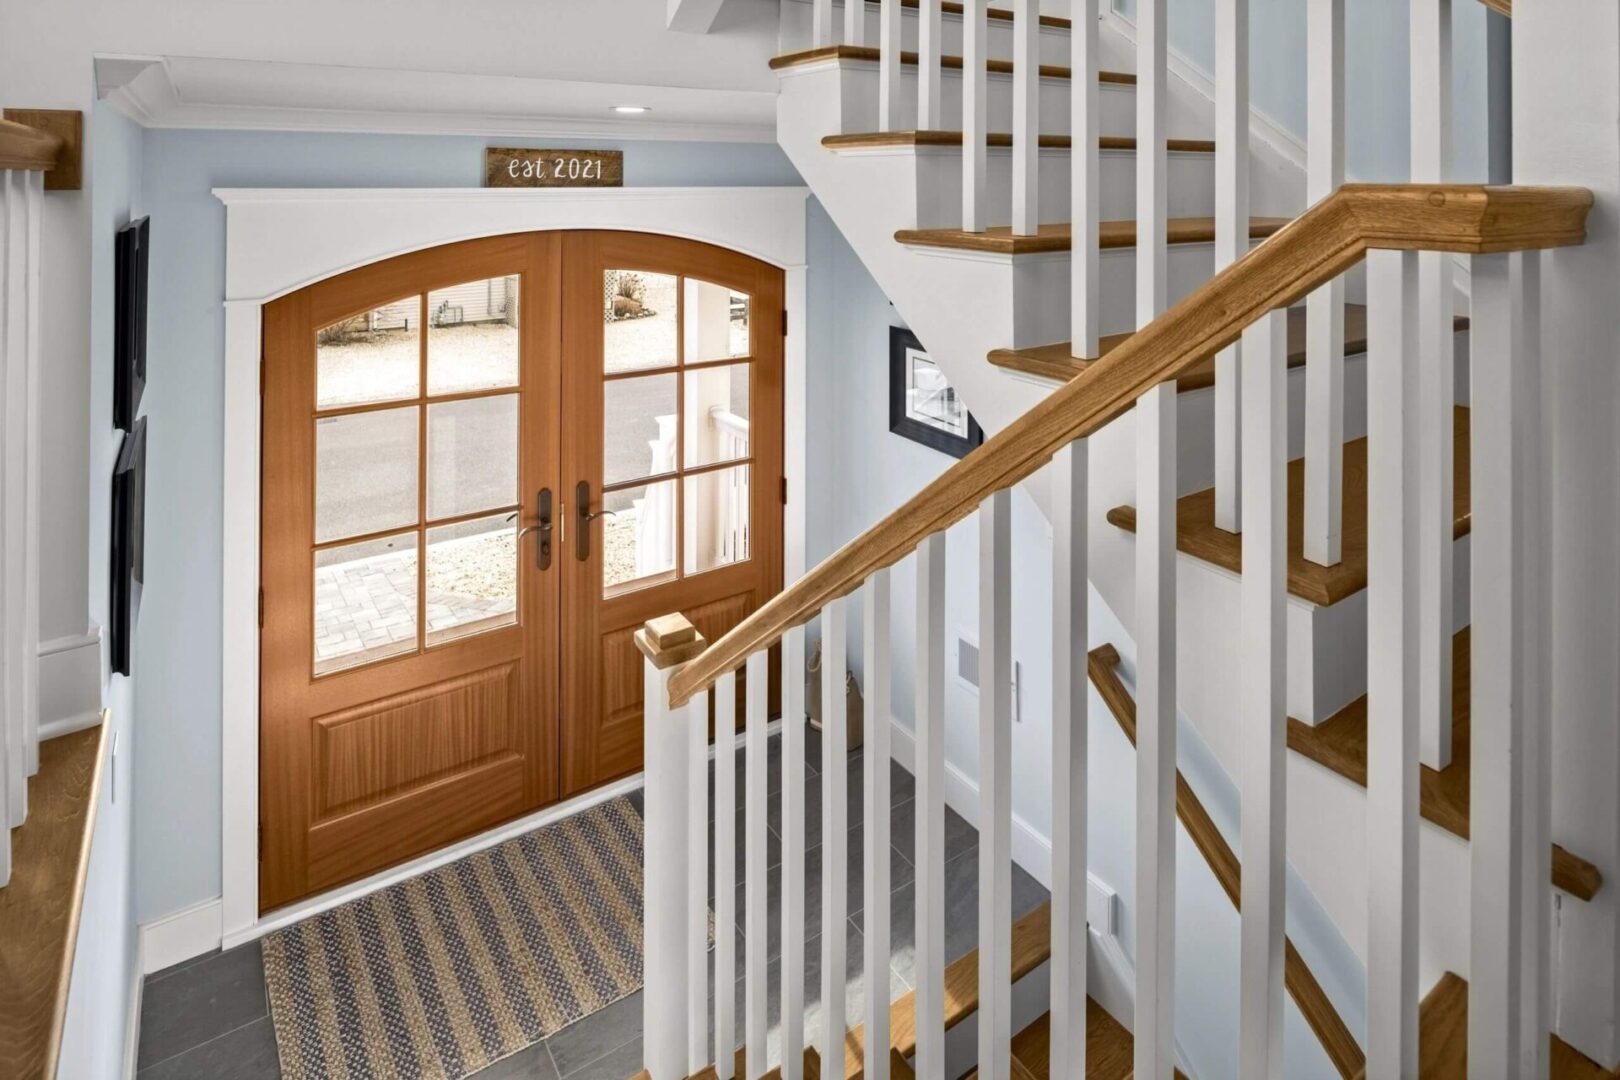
{"x": 22, "y": 197}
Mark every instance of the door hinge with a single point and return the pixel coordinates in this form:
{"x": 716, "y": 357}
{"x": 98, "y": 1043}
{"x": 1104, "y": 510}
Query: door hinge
{"x": 261, "y": 609}
{"x": 784, "y": 491}
{"x": 784, "y": 322}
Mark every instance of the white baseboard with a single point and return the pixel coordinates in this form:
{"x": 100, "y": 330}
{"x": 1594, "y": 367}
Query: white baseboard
{"x": 1031, "y": 849}
{"x": 69, "y": 683}
{"x": 132, "y": 1022}
{"x": 175, "y": 938}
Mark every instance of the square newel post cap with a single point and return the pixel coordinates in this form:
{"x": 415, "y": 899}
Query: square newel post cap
{"x": 669, "y": 641}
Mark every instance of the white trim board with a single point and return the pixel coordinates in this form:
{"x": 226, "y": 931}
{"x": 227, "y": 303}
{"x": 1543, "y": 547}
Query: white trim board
{"x": 279, "y": 240}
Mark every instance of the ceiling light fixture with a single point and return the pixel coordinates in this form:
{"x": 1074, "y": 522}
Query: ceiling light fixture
{"x": 631, "y": 110}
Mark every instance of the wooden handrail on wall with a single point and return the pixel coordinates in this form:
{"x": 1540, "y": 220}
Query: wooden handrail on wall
{"x": 1324, "y": 242}
{"x": 23, "y": 147}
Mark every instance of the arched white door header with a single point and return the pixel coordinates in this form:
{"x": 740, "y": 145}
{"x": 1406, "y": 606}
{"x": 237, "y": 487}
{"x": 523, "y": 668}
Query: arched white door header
{"x": 280, "y": 240}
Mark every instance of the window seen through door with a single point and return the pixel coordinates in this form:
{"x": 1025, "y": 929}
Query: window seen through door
{"x": 416, "y": 473}
{"x": 676, "y": 459}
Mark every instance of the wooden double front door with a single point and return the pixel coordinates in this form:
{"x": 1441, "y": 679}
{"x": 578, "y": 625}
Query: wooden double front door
{"x": 484, "y": 466}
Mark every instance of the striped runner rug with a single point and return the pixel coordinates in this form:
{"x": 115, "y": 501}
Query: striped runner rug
{"x": 459, "y": 967}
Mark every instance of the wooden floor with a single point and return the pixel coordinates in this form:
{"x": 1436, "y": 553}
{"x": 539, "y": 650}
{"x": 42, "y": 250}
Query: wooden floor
{"x": 1198, "y": 536}
{"x": 39, "y": 909}
{"x": 1340, "y": 743}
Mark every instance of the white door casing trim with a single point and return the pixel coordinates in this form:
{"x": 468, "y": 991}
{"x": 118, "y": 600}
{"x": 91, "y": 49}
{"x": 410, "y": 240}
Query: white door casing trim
{"x": 280, "y": 240}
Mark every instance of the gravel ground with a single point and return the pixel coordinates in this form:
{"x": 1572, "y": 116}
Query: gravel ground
{"x": 382, "y": 366}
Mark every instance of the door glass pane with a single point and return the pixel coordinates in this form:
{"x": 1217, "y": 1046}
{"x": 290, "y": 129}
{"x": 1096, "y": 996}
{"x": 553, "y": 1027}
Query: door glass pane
{"x": 638, "y": 542}
{"x": 473, "y": 336}
{"x": 365, "y": 602}
{"x": 365, "y": 473}
{"x": 716, "y": 403}
{"x": 471, "y": 577}
{"x": 638, "y": 427}
{"x": 472, "y": 455}
{"x": 639, "y": 320}
{"x": 716, "y": 519}
{"x": 371, "y": 357}
{"x": 716, "y": 322}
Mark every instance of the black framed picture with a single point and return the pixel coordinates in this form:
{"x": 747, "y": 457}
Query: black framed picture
{"x": 923, "y": 406}
{"x": 129, "y": 321}
{"x": 128, "y": 556}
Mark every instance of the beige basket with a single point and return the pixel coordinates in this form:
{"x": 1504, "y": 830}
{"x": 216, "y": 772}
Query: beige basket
{"x": 854, "y": 707}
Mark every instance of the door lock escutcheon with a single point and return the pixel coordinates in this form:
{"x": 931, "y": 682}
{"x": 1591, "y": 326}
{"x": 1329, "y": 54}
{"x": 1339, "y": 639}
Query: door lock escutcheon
{"x": 582, "y": 510}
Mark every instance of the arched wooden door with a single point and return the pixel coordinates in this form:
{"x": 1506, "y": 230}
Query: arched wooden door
{"x": 484, "y": 465}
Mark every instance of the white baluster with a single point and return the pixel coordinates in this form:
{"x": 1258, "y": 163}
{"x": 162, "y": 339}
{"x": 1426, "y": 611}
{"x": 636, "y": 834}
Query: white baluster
{"x": 1231, "y": 239}
{"x": 975, "y": 115}
{"x": 1509, "y": 925}
{"x": 1324, "y": 308}
{"x": 876, "y": 811}
{"x": 930, "y": 806}
{"x": 34, "y": 215}
{"x": 1152, "y": 190}
{"x": 698, "y": 1055}
{"x": 821, "y": 24}
{"x": 1393, "y": 422}
{"x": 1069, "y": 638}
{"x": 1026, "y": 133}
{"x": 755, "y": 881}
{"x": 1155, "y": 730}
{"x": 793, "y": 793}
{"x": 1431, "y": 164}
{"x": 10, "y": 761}
{"x": 995, "y": 786}
{"x": 14, "y": 484}
{"x": 1085, "y": 213}
{"x": 1263, "y": 678}
{"x": 854, "y": 22}
{"x": 888, "y": 65}
{"x": 666, "y": 643}
{"x": 834, "y": 831}
{"x": 725, "y": 874}
{"x": 929, "y": 29}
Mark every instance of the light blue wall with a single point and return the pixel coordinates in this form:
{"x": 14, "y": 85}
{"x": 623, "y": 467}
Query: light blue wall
{"x": 178, "y": 785}
{"x": 104, "y": 965}
{"x": 1376, "y": 71}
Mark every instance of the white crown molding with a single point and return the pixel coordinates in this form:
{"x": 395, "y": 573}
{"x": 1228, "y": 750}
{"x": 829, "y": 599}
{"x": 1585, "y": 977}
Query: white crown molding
{"x": 214, "y": 93}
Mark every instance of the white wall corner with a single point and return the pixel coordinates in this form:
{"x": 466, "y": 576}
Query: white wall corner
{"x": 173, "y": 939}
{"x": 693, "y": 16}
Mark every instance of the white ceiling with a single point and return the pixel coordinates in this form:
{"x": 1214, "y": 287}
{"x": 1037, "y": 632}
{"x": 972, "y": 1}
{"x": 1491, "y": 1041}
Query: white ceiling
{"x": 484, "y": 67}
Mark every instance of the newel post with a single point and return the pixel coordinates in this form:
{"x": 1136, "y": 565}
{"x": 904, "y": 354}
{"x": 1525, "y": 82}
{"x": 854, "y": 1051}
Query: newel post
{"x": 667, "y": 643}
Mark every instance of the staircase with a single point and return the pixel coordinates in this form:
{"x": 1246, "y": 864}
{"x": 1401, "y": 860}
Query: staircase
{"x": 1300, "y": 471}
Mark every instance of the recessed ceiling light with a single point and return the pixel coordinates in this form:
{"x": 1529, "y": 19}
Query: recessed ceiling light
{"x": 631, "y": 110}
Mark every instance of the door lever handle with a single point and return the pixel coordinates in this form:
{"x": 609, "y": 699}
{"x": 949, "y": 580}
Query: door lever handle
{"x": 582, "y": 510}
{"x": 542, "y": 547}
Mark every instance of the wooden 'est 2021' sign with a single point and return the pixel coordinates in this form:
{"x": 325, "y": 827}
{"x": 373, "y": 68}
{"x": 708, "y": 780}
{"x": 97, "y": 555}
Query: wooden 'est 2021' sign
{"x": 523, "y": 167}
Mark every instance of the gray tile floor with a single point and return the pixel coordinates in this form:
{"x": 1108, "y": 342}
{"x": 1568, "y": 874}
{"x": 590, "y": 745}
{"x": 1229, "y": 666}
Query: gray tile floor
{"x": 208, "y": 1019}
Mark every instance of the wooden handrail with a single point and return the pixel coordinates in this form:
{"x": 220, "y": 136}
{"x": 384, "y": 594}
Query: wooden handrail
{"x": 24, "y": 147}
{"x": 1310, "y": 251}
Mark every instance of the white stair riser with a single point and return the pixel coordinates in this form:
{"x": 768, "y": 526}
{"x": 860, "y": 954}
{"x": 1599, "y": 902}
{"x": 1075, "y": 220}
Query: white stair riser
{"x": 796, "y": 27}
{"x": 1116, "y": 105}
{"x": 939, "y": 186}
{"x": 1041, "y": 290}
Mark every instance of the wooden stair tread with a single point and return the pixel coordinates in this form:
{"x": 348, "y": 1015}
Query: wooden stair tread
{"x": 39, "y": 909}
{"x": 868, "y": 140}
{"x": 1340, "y": 743}
{"x": 948, "y": 63}
{"x": 1110, "y": 1048}
{"x": 1198, "y": 536}
{"x": 1443, "y": 1039}
{"x": 1057, "y": 362}
{"x": 1102, "y": 665}
{"x": 1111, "y": 234}
{"x": 950, "y": 7}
